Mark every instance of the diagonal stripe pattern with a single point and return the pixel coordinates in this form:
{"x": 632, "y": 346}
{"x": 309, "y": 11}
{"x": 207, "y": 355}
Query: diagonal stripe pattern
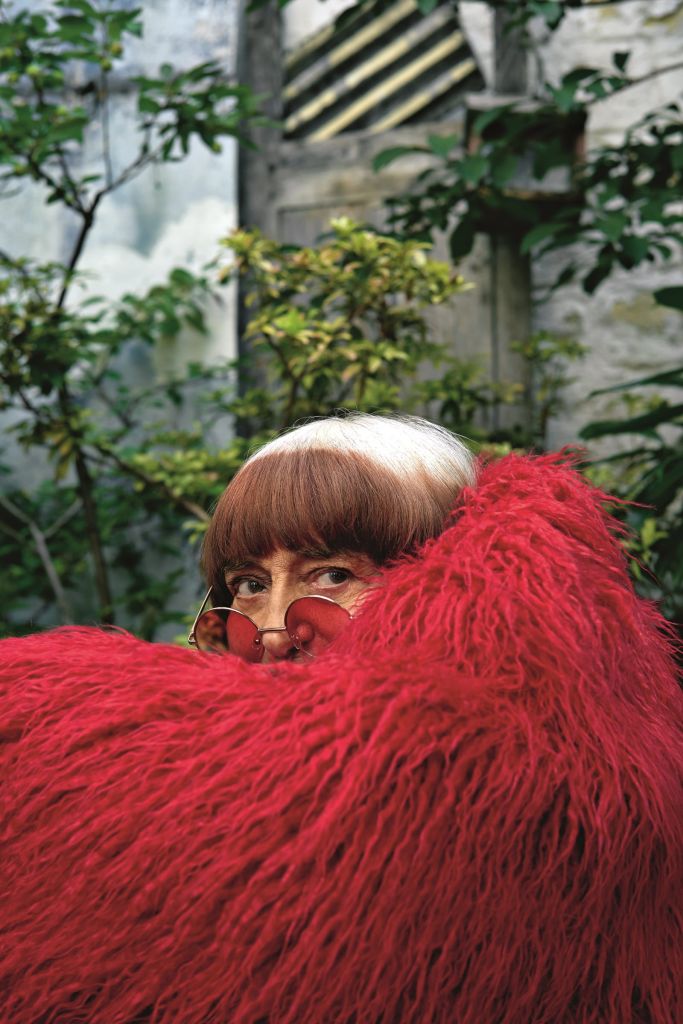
{"x": 384, "y": 67}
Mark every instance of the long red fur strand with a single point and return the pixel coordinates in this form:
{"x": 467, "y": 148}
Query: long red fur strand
{"x": 470, "y": 810}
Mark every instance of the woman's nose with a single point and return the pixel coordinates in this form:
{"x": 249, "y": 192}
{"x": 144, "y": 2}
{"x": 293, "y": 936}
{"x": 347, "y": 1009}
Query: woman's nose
{"x": 277, "y": 645}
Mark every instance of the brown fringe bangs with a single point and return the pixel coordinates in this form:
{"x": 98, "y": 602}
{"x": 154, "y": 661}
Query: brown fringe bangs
{"x": 321, "y": 499}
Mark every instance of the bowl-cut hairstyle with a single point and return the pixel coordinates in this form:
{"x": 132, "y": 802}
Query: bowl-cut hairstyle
{"x": 380, "y": 485}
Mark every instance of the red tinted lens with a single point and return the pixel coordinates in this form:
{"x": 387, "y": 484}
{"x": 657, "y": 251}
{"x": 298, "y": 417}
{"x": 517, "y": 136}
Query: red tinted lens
{"x": 314, "y": 622}
{"x": 221, "y": 630}
{"x": 209, "y": 632}
{"x": 243, "y": 637}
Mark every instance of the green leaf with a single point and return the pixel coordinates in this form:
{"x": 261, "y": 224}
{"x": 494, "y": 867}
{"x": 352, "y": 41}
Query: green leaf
{"x": 621, "y": 59}
{"x": 503, "y": 169}
{"x": 551, "y": 10}
{"x": 635, "y": 248}
{"x": 612, "y": 225}
{"x": 427, "y": 6}
{"x": 79, "y": 5}
{"x": 643, "y": 424}
{"x": 441, "y": 145}
{"x": 666, "y": 378}
{"x": 182, "y": 277}
{"x": 597, "y": 275}
{"x": 387, "y": 156}
{"x": 536, "y": 235}
{"x": 489, "y": 117}
{"x": 462, "y": 239}
{"x": 473, "y": 168}
{"x": 564, "y": 97}
{"x": 671, "y": 297}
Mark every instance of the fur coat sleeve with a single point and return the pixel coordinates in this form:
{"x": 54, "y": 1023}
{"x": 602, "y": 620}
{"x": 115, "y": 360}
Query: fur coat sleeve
{"x": 469, "y": 810}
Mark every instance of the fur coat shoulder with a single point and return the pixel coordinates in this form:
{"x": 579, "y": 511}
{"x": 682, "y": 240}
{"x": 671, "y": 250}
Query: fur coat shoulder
{"x": 469, "y": 810}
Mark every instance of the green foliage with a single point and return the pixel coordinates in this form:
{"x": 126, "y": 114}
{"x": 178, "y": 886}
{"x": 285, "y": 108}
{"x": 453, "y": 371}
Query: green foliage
{"x": 648, "y": 471}
{"x": 46, "y": 106}
{"x": 461, "y": 398}
{"x": 622, "y": 206}
{"x": 621, "y": 209}
{"x": 61, "y": 382}
{"x": 91, "y": 540}
{"x": 340, "y": 324}
{"x": 548, "y": 357}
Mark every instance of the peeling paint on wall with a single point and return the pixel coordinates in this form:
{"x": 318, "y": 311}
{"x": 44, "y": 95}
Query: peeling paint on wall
{"x": 667, "y": 18}
{"x": 642, "y": 312}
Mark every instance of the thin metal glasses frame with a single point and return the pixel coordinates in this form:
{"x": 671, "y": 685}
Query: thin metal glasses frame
{"x": 192, "y": 640}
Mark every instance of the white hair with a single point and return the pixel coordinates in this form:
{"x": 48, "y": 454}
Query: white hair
{"x": 402, "y": 444}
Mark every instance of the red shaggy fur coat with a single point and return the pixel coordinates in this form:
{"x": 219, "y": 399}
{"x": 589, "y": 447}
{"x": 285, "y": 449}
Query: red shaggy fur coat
{"x": 468, "y": 812}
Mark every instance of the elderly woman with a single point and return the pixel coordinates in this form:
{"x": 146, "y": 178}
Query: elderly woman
{"x": 306, "y": 525}
{"x": 469, "y": 810}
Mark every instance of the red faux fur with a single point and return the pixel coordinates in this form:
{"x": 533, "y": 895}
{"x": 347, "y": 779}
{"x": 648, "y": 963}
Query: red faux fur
{"x": 469, "y": 812}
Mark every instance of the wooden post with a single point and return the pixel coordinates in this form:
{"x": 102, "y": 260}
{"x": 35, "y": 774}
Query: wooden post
{"x": 510, "y": 65}
{"x": 260, "y": 67}
{"x": 510, "y": 270}
{"x": 260, "y": 63}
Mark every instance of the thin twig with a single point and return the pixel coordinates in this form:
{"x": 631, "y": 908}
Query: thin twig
{"x": 88, "y": 219}
{"x": 184, "y": 504}
{"x": 76, "y": 205}
{"x": 121, "y": 416}
{"x": 106, "y": 142}
{"x": 92, "y": 526}
{"x": 65, "y": 517}
{"x": 39, "y": 539}
{"x": 23, "y": 272}
{"x": 652, "y": 74}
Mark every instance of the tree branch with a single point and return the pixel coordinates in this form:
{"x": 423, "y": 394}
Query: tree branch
{"x": 88, "y": 218}
{"x": 651, "y": 74}
{"x": 39, "y": 539}
{"x": 72, "y": 510}
{"x": 92, "y": 529}
{"x": 106, "y": 143}
{"x": 76, "y": 204}
{"x": 184, "y": 504}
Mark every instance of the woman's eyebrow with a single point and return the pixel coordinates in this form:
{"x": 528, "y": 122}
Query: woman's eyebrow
{"x": 247, "y": 563}
{"x": 318, "y": 552}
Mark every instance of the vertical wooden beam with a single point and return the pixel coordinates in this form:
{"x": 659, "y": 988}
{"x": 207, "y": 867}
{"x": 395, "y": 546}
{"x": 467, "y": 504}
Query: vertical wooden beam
{"x": 260, "y": 66}
{"x": 510, "y": 64}
{"x": 510, "y": 270}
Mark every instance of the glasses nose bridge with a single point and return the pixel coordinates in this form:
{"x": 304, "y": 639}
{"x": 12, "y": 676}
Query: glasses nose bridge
{"x": 271, "y": 629}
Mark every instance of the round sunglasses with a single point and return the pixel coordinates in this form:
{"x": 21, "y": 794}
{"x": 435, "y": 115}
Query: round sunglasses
{"x": 311, "y": 623}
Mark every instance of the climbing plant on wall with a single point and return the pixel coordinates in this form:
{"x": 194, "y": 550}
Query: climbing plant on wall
{"x": 622, "y": 211}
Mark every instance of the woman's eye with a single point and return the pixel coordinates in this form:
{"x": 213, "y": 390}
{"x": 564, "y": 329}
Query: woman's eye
{"x": 246, "y": 587}
{"x": 333, "y": 577}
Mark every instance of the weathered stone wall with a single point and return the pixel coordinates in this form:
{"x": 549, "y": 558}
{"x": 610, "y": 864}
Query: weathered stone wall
{"x": 627, "y": 334}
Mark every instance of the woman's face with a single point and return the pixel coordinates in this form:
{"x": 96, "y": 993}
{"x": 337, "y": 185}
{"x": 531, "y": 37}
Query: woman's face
{"x": 263, "y": 588}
